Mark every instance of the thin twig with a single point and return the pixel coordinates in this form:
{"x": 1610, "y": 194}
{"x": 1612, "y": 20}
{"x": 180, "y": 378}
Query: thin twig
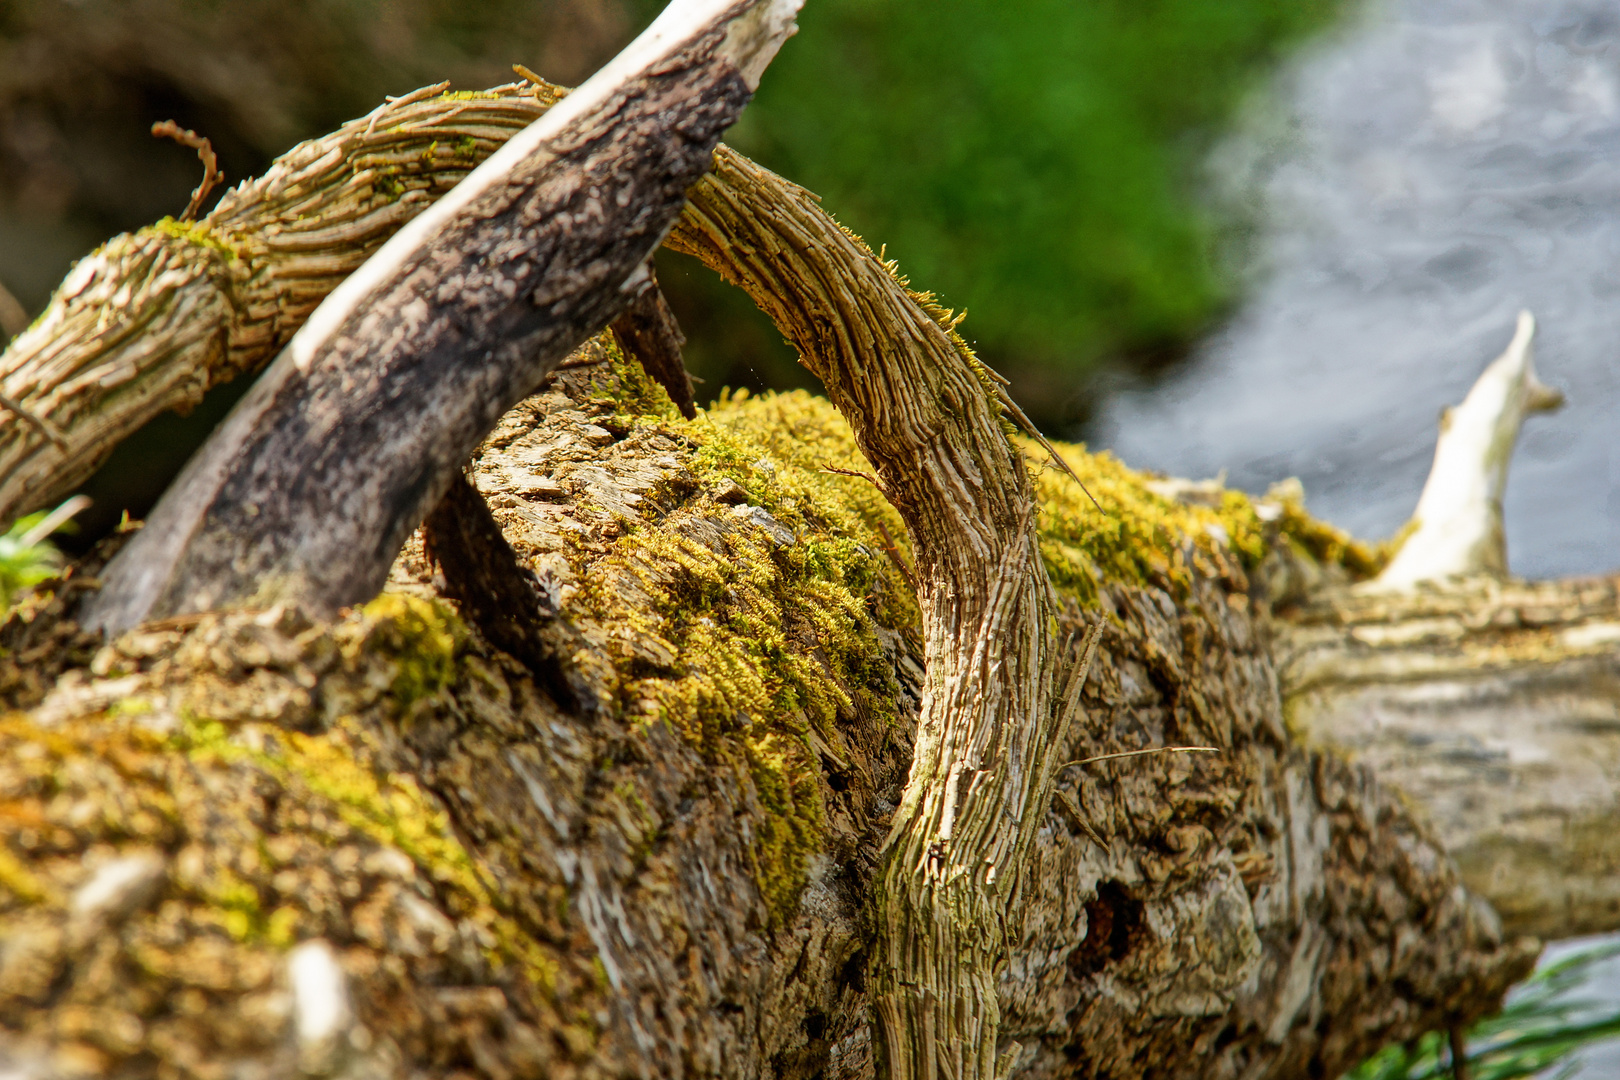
{"x": 894, "y": 553}
{"x": 391, "y": 103}
{"x": 1459, "y": 1055}
{"x": 1033, "y": 432}
{"x": 54, "y": 520}
{"x": 168, "y": 129}
{"x": 527, "y": 75}
{"x": 868, "y": 477}
{"x": 590, "y": 362}
{"x": 1150, "y": 750}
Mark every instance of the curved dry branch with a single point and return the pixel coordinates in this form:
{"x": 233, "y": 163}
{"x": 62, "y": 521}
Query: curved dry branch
{"x": 930, "y": 421}
{"x": 152, "y": 320}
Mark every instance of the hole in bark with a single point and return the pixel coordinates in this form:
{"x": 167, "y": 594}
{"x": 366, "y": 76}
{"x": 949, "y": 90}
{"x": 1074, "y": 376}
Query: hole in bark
{"x": 854, "y": 973}
{"x": 1113, "y": 928}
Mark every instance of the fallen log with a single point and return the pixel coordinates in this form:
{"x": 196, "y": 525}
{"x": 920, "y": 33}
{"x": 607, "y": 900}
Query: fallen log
{"x": 677, "y": 887}
{"x": 478, "y": 873}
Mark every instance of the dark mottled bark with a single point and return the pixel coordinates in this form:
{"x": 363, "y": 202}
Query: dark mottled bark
{"x": 648, "y": 331}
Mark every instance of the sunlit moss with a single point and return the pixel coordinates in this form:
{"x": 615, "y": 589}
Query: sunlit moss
{"x": 198, "y": 233}
{"x": 419, "y": 636}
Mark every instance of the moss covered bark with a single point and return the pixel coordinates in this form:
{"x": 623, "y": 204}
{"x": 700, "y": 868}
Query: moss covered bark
{"x": 721, "y": 868}
{"x": 677, "y": 887}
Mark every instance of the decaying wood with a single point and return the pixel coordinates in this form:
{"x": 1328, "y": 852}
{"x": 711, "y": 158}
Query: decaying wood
{"x": 312, "y": 484}
{"x": 1490, "y": 702}
{"x": 1494, "y": 705}
{"x": 1261, "y": 912}
{"x": 697, "y": 875}
{"x": 200, "y": 303}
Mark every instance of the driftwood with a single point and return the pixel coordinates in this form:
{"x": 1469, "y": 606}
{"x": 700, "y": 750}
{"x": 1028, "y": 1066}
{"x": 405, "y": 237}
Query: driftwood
{"x": 711, "y": 792}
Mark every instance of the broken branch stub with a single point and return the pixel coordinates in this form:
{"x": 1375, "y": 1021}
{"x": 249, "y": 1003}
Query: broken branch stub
{"x": 1457, "y": 526}
{"x": 313, "y": 483}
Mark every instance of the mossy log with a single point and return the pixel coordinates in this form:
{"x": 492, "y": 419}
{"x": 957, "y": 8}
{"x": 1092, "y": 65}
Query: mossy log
{"x": 386, "y": 845}
{"x": 679, "y": 886}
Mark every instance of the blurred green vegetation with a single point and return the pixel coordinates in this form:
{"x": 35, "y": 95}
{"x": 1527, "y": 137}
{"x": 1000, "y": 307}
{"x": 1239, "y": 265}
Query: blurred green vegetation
{"x": 1546, "y": 1020}
{"x": 26, "y": 556}
{"x": 1035, "y": 161}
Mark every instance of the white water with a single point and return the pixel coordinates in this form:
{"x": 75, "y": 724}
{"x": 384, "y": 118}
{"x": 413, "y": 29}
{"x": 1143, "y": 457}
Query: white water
{"x": 1438, "y": 166}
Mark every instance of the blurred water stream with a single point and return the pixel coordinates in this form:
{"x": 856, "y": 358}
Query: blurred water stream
{"x": 1436, "y": 167}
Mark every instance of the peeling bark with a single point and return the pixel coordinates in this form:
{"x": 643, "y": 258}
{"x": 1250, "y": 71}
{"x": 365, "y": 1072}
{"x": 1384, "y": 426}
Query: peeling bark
{"x": 1493, "y": 705}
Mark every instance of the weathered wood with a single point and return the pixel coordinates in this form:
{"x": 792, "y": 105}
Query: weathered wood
{"x": 1267, "y": 912}
{"x": 1456, "y": 530}
{"x": 1495, "y": 706}
{"x": 677, "y": 888}
{"x": 310, "y": 487}
{"x": 952, "y": 891}
{"x": 151, "y": 321}
{"x": 463, "y": 542}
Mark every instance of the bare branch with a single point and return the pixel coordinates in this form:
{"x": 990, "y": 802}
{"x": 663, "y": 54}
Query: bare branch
{"x": 168, "y": 129}
{"x": 1457, "y": 526}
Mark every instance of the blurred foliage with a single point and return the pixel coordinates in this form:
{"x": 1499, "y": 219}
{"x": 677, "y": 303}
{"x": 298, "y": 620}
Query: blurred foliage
{"x": 82, "y": 81}
{"x": 26, "y": 559}
{"x": 1544, "y": 1022}
{"x": 1036, "y": 161}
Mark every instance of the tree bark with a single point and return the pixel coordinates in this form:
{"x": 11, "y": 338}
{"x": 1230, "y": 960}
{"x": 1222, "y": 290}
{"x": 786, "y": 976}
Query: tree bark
{"x": 709, "y": 841}
{"x": 695, "y": 804}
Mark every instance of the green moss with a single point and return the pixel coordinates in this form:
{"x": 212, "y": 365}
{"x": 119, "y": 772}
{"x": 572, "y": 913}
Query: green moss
{"x": 387, "y": 183}
{"x": 421, "y": 637}
{"x": 775, "y": 645}
{"x": 633, "y": 393}
{"x": 195, "y": 232}
{"x": 335, "y": 769}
